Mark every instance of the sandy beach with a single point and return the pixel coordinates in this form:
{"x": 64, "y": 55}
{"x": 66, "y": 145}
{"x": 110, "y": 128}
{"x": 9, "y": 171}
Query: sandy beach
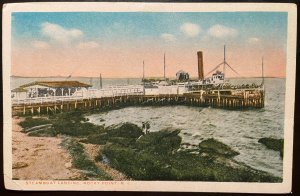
{"x": 43, "y": 158}
{"x": 39, "y": 158}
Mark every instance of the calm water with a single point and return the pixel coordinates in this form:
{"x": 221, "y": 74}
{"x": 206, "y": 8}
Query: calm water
{"x": 238, "y": 129}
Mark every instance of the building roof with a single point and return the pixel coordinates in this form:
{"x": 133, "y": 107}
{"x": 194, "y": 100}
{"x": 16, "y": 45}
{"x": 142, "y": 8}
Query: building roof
{"x": 57, "y": 84}
{"x": 19, "y": 89}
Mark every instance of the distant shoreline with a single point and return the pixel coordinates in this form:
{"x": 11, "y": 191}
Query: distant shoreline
{"x": 88, "y": 77}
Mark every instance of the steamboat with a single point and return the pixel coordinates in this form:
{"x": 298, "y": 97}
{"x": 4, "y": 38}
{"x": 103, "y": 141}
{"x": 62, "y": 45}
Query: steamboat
{"x": 183, "y": 84}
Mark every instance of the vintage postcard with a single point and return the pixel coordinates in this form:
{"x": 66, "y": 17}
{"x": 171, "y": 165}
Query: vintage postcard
{"x": 149, "y": 96}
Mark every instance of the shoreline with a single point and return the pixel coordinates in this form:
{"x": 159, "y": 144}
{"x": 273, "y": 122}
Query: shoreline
{"x": 125, "y": 152}
{"x": 43, "y": 158}
{"x": 39, "y": 158}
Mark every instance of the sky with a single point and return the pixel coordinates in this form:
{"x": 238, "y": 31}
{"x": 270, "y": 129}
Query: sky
{"x": 116, "y": 44}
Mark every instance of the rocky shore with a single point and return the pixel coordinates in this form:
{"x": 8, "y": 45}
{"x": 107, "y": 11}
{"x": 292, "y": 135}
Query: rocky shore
{"x": 125, "y": 152}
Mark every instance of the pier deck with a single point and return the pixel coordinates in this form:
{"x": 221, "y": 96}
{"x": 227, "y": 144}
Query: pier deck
{"x": 221, "y": 98}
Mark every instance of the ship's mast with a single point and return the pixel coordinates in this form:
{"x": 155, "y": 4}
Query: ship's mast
{"x": 91, "y": 81}
{"x": 143, "y": 70}
{"x": 224, "y": 63}
{"x": 165, "y": 66}
{"x": 143, "y": 77}
{"x": 100, "y": 81}
{"x": 262, "y": 71}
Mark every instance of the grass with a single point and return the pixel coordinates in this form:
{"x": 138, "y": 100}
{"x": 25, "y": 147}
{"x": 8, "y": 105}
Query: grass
{"x": 32, "y": 122}
{"x": 81, "y": 161}
{"x": 69, "y": 123}
{"x": 47, "y": 132}
{"x": 273, "y": 144}
{"x": 74, "y": 124}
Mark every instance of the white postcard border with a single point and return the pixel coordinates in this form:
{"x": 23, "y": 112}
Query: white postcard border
{"x": 283, "y": 187}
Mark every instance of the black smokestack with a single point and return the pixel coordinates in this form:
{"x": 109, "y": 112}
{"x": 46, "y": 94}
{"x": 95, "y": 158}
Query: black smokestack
{"x": 200, "y": 65}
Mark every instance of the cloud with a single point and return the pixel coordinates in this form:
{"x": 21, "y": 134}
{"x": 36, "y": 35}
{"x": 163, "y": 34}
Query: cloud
{"x": 253, "y": 40}
{"x": 220, "y": 31}
{"x": 59, "y": 33}
{"x": 88, "y": 45}
{"x": 168, "y": 37}
{"x": 40, "y": 44}
{"x": 117, "y": 30}
{"x": 190, "y": 29}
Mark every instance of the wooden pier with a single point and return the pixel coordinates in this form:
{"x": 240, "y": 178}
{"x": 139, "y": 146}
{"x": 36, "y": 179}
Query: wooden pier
{"x": 219, "y": 98}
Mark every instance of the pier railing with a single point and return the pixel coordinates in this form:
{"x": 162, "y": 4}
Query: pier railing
{"x": 112, "y": 91}
{"x": 116, "y": 98}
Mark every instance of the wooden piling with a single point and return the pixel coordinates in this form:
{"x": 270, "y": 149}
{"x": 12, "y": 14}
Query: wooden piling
{"x": 216, "y": 98}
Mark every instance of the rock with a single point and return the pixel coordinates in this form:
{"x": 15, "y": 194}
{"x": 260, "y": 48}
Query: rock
{"x": 39, "y": 127}
{"x": 127, "y": 130}
{"x": 164, "y": 141}
{"x": 43, "y": 132}
{"x": 19, "y": 165}
{"x": 214, "y": 147}
{"x": 273, "y": 144}
{"x": 68, "y": 165}
{"x": 34, "y": 123}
